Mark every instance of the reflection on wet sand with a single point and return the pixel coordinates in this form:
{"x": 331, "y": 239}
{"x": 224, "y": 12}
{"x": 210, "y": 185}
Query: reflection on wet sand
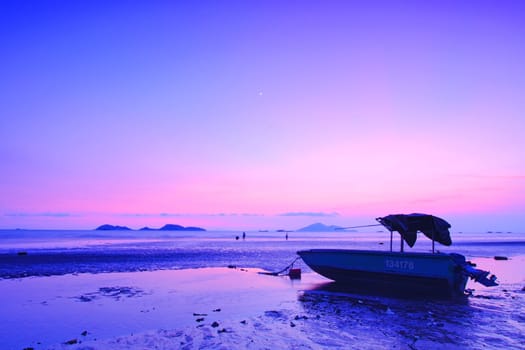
{"x": 383, "y": 290}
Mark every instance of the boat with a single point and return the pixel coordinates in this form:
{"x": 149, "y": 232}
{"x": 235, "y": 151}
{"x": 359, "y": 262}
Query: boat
{"x": 432, "y": 273}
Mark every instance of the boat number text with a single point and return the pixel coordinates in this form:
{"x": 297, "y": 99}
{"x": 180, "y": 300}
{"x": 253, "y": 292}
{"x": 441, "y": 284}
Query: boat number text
{"x": 399, "y": 264}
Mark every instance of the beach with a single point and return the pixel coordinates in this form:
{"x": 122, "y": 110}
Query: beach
{"x": 233, "y": 306}
{"x": 166, "y": 164}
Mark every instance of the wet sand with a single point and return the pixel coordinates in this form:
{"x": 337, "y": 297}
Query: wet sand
{"x": 222, "y": 308}
{"x": 43, "y": 312}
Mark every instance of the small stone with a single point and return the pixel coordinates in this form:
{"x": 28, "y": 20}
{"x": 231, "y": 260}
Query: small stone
{"x": 217, "y": 310}
{"x": 200, "y": 319}
{"x": 292, "y": 324}
{"x": 84, "y": 333}
{"x": 71, "y": 342}
{"x": 215, "y": 324}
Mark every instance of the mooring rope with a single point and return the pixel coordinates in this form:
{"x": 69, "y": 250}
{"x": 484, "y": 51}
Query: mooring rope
{"x": 360, "y": 226}
{"x": 279, "y": 272}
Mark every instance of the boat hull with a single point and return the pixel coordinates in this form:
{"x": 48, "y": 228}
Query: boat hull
{"x": 406, "y": 273}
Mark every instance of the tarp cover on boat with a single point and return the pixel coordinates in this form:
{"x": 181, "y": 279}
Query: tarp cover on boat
{"x": 409, "y": 224}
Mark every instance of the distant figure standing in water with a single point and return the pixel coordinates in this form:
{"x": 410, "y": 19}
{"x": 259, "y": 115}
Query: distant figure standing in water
{"x": 286, "y": 236}
{"x": 244, "y": 235}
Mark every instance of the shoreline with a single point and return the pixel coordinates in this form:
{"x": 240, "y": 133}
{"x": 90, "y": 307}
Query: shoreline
{"x": 227, "y": 308}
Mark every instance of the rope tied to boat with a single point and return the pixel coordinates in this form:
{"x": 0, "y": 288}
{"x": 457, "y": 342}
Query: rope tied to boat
{"x": 279, "y": 273}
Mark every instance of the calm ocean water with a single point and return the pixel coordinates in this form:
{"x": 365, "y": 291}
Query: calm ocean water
{"x": 491, "y": 318}
{"x": 56, "y": 252}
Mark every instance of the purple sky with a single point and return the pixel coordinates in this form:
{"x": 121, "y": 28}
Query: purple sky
{"x": 261, "y": 114}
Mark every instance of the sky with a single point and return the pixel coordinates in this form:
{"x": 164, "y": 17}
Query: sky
{"x": 261, "y": 114}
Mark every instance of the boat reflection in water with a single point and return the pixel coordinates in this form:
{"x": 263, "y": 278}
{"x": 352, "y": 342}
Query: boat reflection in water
{"x": 434, "y": 274}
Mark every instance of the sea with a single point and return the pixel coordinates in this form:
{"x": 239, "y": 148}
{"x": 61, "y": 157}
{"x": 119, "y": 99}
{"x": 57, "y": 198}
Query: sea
{"x": 490, "y": 318}
{"x": 26, "y": 253}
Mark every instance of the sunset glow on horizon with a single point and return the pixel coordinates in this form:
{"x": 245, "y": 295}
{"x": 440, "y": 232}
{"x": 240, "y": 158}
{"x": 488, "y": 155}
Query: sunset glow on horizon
{"x": 261, "y": 114}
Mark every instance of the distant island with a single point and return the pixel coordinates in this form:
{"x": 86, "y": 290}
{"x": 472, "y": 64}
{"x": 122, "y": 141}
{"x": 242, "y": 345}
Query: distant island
{"x": 320, "y": 227}
{"x": 167, "y": 227}
{"x": 112, "y": 228}
{"x": 172, "y": 227}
